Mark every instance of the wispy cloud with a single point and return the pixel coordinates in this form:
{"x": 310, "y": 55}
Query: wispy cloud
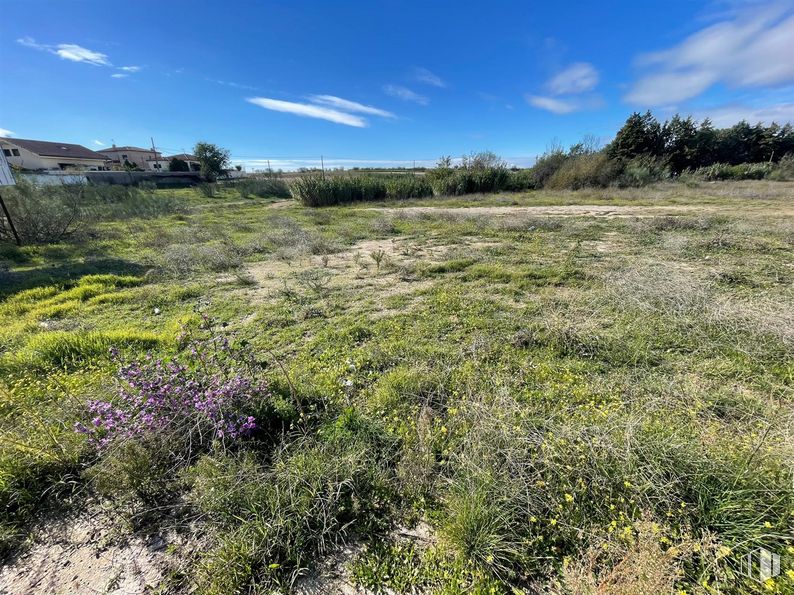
{"x": 68, "y": 51}
{"x": 77, "y": 53}
{"x": 98, "y": 143}
{"x": 728, "y": 115}
{"x": 580, "y": 77}
{"x": 309, "y": 111}
{"x": 6, "y": 132}
{"x": 565, "y": 90}
{"x": 552, "y": 104}
{"x": 405, "y": 94}
{"x": 423, "y": 75}
{"x": 350, "y": 106}
{"x": 747, "y": 50}
{"x": 229, "y": 83}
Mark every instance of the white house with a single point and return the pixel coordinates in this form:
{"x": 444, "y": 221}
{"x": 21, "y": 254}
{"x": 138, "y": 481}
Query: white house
{"x": 34, "y": 155}
{"x": 134, "y": 155}
{"x": 162, "y": 163}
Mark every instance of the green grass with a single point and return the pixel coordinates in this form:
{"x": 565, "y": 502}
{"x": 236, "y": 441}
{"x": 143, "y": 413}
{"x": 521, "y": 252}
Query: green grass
{"x": 536, "y": 389}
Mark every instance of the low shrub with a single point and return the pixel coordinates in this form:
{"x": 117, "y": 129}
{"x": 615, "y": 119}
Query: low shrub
{"x": 43, "y": 214}
{"x": 262, "y": 187}
{"x": 642, "y": 171}
{"x": 405, "y": 186}
{"x": 546, "y": 166}
{"x": 592, "y": 170}
{"x": 166, "y": 412}
{"x": 317, "y": 190}
{"x": 742, "y": 171}
{"x": 182, "y": 259}
{"x": 522, "y": 179}
{"x": 275, "y": 519}
{"x": 208, "y": 189}
{"x": 785, "y": 168}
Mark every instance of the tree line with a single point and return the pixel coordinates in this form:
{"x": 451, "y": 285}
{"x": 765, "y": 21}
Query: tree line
{"x": 685, "y": 144}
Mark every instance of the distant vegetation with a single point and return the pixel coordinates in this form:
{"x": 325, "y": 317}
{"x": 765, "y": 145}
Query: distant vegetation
{"x": 644, "y": 151}
{"x": 317, "y": 190}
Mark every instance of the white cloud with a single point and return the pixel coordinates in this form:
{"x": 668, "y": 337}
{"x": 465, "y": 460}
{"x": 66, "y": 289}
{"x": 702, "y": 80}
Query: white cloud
{"x": 552, "y": 104}
{"x": 5, "y": 132}
{"x": 749, "y": 50}
{"x": 68, "y": 51}
{"x": 130, "y": 68}
{"x": 405, "y": 94}
{"x": 118, "y": 75}
{"x": 76, "y": 53}
{"x": 728, "y": 115}
{"x": 577, "y": 78}
{"x": 309, "y": 111}
{"x": 350, "y": 106}
{"x": 29, "y": 42}
{"x": 423, "y": 75}
{"x": 99, "y": 143}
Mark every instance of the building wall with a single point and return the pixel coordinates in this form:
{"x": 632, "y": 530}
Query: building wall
{"x": 164, "y": 163}
{"x": 135, "y": 157}
{"x": 152, "y": 165}
{"x": 31, "y": 161}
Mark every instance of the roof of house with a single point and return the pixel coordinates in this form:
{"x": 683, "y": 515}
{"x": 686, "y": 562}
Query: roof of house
{"x": 115, "y": 149}
{"x": 50, "y": 149}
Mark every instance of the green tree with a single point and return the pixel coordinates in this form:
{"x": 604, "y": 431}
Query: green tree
{"x": 706, "y": 144}
{"x": 213, "y": 159}
{"x": 177, "y": 164}
{"x": 641, "y": 135}
{"x": 680, "y": 136}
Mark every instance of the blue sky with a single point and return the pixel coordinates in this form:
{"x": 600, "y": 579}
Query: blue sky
{"x": 383, "y": 81}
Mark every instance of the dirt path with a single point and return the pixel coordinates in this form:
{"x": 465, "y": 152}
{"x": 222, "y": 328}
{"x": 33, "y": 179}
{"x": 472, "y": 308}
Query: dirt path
{"x": 609, "y": 211}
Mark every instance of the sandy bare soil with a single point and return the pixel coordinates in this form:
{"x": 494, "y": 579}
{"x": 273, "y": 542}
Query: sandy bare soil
{"x": 79, "y": 555}
{"x": 609, "y": 211}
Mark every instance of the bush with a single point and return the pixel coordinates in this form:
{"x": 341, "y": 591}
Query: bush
{"x": 478, "y": 172}
{"x": 642, "y": 171}
{"x": 405, "y": 186}
{"x": 785, "y": 168}
{"x": 276, "y": 519}
{"x": 522, "y": 179}
{"x": 592, "y": 170}
{"x": 313, "y": 190}
{"x": 43, "y": 214}
{"x": 742, "y": 171}
{"x": 167, "y": 412}
{"x": 262, "y": 187}
{"x": 546, "y": 166}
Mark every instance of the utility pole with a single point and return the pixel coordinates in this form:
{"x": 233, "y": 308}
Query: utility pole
{"x": 156, "y": 159}
{"x": 322, "y": 166}
{"x": 269, "y": 171}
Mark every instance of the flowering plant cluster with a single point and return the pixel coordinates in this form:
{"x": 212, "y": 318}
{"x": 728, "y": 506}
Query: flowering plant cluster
{"x": 204, "y": 397}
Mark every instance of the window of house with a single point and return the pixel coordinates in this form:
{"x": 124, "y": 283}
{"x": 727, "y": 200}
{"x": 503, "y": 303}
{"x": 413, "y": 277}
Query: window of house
{"x": 7, "y": 152}
{"x": 123, "y": 156}
{"x": 15, "y": 152}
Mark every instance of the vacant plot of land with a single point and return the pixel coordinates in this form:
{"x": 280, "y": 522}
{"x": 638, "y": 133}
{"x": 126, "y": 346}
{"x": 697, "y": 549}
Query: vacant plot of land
{"x": 572, "y": 392}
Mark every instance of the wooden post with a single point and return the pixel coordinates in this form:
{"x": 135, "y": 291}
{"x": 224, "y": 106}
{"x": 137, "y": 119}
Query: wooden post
{"x": 10, "y": 221}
